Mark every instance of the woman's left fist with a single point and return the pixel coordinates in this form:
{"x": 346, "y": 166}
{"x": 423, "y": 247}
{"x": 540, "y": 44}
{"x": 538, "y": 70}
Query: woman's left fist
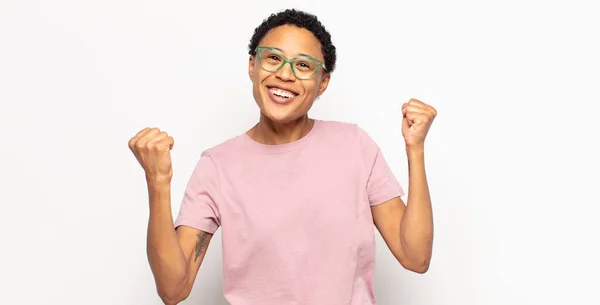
{"x": 416, "y": 121}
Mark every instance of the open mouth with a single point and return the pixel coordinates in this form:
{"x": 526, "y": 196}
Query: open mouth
{"x": 282, "y": 93}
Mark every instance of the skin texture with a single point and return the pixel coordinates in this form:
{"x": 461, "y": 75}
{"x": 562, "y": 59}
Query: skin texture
{"x": 286, "y": 123}
{"x": 175, "y": 256}
{"x": 407, "y": 229}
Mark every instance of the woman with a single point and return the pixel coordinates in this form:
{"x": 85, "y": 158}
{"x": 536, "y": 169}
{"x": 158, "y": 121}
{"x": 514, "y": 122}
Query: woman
{"x": 296, "y": 197}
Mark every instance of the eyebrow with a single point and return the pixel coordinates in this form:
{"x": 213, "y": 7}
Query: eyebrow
{"x": 301, "y": 54}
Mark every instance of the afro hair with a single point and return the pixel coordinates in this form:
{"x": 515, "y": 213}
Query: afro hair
{"x": 300, "y": 19}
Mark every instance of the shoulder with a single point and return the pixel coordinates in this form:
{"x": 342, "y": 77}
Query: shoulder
{"x": 348, "y": 132}
{"x": 211, "y": 161}
{"x": 225, "y": 149}
{"x": 350, "y": 142}
{"x": 339, "y": 129}
{"x": 353, "y": 139}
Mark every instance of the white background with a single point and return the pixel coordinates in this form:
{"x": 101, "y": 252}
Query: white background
{"x": 512, "y": 158}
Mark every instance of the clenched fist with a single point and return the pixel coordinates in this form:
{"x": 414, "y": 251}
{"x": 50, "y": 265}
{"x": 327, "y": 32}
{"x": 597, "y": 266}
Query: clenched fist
{"x": 417, "y": 118}
{"x": 152, "y": 149}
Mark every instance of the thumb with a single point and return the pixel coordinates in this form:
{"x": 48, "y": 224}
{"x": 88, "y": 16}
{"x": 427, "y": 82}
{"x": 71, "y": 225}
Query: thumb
{"x": 405, "y": 125}
{"x": 171, "y": 142}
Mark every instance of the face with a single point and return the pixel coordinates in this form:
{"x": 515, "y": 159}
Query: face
{"x": 280, "y": 95}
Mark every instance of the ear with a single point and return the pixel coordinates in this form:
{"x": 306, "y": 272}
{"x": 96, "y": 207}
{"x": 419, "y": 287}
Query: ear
{"x": 324, "y": 83}
{"x": 251, "y": 67}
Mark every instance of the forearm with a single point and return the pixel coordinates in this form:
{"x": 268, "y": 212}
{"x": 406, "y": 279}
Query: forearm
{"x": 416, "y": 230}
{"x": 166, "y": 259}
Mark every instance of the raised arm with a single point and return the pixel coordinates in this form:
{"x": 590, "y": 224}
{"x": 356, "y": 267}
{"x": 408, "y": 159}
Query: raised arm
{"x": 174, "y": 255}
{"x": 408, "y": 229}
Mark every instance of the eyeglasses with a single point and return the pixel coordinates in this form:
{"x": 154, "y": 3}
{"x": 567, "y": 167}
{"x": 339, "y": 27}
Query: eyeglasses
{"x": 303, "y": 67}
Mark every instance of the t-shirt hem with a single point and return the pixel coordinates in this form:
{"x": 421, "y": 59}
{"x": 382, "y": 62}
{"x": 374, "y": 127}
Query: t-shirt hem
{"x": 386, "y": 196}
{"x": 206, "y": 227}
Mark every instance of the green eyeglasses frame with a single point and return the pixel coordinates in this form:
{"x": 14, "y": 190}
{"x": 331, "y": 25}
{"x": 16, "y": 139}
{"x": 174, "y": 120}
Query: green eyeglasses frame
{"x": 290, "y": 61}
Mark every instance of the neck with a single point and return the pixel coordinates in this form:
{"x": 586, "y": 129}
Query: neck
{"x": 273, "y": 133}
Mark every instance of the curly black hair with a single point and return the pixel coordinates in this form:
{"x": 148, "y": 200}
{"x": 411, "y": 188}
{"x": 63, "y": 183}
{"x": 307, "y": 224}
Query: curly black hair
{"x": 300, "y": 19}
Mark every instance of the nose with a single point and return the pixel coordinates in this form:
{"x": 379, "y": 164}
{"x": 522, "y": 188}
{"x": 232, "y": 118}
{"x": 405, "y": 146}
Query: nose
{"x": 286, "y": 73}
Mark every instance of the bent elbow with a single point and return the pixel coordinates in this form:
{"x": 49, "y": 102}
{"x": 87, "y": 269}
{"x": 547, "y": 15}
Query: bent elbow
{"x": 420, "y": 266}
{"x": 421, "y": 269}
{"x": 173, "y": 297}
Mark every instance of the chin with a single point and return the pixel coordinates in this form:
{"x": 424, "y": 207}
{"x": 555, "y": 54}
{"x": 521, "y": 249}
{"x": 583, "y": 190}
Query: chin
{"x": 281, "y": 114}
{"x": 280, "y": 117}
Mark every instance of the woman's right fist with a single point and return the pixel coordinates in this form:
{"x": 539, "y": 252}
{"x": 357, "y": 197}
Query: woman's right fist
{"x": 152, "y": 149}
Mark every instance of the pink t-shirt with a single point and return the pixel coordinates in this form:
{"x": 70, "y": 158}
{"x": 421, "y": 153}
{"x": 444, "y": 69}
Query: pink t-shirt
{"x": 295, "y": 218}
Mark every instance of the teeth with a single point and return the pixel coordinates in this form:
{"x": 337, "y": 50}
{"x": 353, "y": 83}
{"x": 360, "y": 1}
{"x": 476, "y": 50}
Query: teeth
{"x": 282, "y": 93}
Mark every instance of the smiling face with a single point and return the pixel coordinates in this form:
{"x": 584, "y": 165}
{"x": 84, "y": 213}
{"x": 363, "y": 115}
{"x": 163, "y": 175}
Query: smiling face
{"x": 280, "y": 95}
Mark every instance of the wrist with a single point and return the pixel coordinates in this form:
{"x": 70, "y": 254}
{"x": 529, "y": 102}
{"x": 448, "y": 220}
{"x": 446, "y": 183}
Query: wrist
{"x": 415, "y": 149}
{"x": 158, "y": 183}
{"x": 159, "y": 195}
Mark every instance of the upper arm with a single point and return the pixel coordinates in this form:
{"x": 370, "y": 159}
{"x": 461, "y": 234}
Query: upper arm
{"x": 387, "y": 218}
{"x": 198, "y": 216}
{"x": 193, "y": 243}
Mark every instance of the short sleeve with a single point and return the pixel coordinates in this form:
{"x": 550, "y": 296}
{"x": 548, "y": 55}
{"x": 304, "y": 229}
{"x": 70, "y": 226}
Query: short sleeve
{"x": 199, "y": 207}
{"x": 382, "y": 185}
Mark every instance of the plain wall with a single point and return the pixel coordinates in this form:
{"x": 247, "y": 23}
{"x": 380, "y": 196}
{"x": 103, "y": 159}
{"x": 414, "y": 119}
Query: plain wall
{"x": 512, "y": 158}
